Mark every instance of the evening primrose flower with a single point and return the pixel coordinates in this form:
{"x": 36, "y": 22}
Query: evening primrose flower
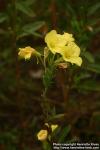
{"x": 55, "y": 41}
{"x": 70, "y": 53}
{"x": 27, "y": 52}
{"x": 42, "y": 135}
{"x": 52, "y": 126}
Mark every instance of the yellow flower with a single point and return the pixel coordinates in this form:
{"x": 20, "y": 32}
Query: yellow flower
{"x": 55, "y": 41}
{"x": 42, "y": 135}
{"x": 27, "y": 52}
{"x": 70, "y": 53}
{"x": 53, "y": 127}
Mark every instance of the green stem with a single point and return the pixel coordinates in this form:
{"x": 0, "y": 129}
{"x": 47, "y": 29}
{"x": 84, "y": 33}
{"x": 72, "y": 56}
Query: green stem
{"x": 45, "y": 106}
{"x": 46, "y": 145}
{"x": 41, "y": 60}
{"x": 47, "y": 76}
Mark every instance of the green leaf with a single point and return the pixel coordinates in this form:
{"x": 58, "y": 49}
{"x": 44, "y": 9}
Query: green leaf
{"x": 93, "y": 22}
{"x": 3, "y": 17}
{"x": 46, "y": 145}
{"x": 75, "y": 24}
{"x": 70, "y": 9}
{"x": 33, "y": 26}
{"x": 81, "y": 76}
{"x": 29, "y": 2}
{"x": 92, "y": 67}
{"x": 58, "y": 116}
{"x": 47, "y": 78}
{"x": 89, "y": 86}
{"x": 64, "y": 133}
{"x": 93, "y": 9}
{"x": 24, "y": 8}
{"x": 89, "y": 56}
{"x": 30, "y": 29}
{"x": 37, "y": 34}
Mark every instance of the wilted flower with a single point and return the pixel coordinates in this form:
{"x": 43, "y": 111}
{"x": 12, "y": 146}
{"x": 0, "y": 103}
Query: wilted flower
{"x": 70, "y": 53}
{"x": 63, "y": 65}
{"x": 27, "y": 52}
{"x": 42, "y": 135}
{"x": 55, "y": 41}
{"x": 47, "y": 125}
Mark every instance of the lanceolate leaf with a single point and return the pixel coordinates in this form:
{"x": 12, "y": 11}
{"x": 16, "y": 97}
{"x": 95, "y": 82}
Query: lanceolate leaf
{"x": 89, "y": 86}
{"x": 92, "y": 67}
{"x": 33, "y": 26}
{"x": 89, "y": 56}
{"x": 30, "y": 29}
{"x": 24, "y": 8}
{"x": 3, "y": 17}
{"x": 93, "y": 9}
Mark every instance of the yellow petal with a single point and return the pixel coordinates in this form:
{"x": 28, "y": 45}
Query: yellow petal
{"x": 69, "y": 37}
{"x": 74, "y": 60}
{"x": 50, "y": 35}
{"x": 71, "y": 50}
{"x": 55, "y": 41}
{"x": 71, "y": 54}
{"x": 53, "y": 127}
{"x": 51, "y": 40}
{"x": 74, "y": 48}
{"x": 42, "y": 135}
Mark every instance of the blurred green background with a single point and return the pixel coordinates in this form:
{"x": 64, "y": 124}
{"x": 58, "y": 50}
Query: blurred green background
{"x": 23, "y": 23}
